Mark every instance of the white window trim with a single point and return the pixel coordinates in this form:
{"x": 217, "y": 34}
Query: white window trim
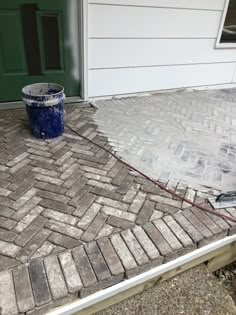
{"x": 218, "y": 44}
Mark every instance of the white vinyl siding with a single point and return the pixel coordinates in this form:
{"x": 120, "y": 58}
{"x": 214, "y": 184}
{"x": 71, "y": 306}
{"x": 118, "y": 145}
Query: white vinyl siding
{"x": 137, "y": 45}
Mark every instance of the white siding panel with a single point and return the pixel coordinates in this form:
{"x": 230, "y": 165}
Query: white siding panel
{"x": 147, "y": 22}
{"x": 110, "y": 53}
{"x": 234, "y": 76}
{"x": 191, "y": 4}
{"x": 131, "y": 80}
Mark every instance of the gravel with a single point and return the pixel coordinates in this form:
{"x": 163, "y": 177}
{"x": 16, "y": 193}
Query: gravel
{"x": 227, "y": 277}
{"x": 194, "y": 292}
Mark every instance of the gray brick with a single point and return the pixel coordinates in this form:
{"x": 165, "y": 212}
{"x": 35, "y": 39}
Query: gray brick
{"x": 89, "y": 216}
{"x": 167, "y": 201}
{"x": 119, "y": 178}
{"x": 137, "y": 202}
{"x": 70, "y": 171}
{"x": 7, "y": 263}
{"x": 81, "y": 193}
{"x": 33, "y": 245}
{"x": 146, "y": 243}
{"x": 63, "y": 240}
{"x": 6, "y": 212}
{"x": 167, "y": 234}
{"x": 99, "y": 184}
{"x": 93, "y": 170}
{"x": 166, "y": 208}
{"x": 75, "y": 188}
{"x": 178, "y": 231}
{"x": 83, "y": 205}
{"x": 72, "y": 179}
{"x": 105, "y": 231}
{"x": 83, "y": 265}
{"x": 201, "y": 215}
{"x": 27, "y": 207}
{"x": 63, "y": 158}
{"x": 9, "y": 249}
{"x": 71, "y": 274}
{"x": 145, "y": 212}
{"x": 24, "y": 294}
{"x": 106, "y": 193}
{"x": 49, "y": 180}
{"x": 97, "y": 261}
{"x": 39, "y": 283}
{"x": 7, "y": 294}
{"x": 123, "y": 252}
{"x": 51, "y": 204}
{"x": 58, "y": 216}
{"x": 50, "y": 187}
{"x": 110, "y": 257}
{"x": 115, "y": 169}
{"x": 120, "y": 223}
{"x": 22, "y": 189}
{"x": 44, "y": 250}
{"x": 7, "y": 224}
{"x": 231, "y": 223}
{"x": 55, "y": 277}
{"x": 131, "y": 193}
{"x": 157, "y": 239}
{"x": 44, "y": 309}
{"x": 119, "y": 213}
{"x": 94, "y": 228}
{"x": 30, "y": 231}
{"x": 188, "y": 227}
{"x": 112, "y": 203}
{"x": 219, "y": 221}
{"x": 134, "y": 247}
{"x": 53, "y": 196}
{"x": 156, "y": 215}
{"x": 23, "y": 199}
{"x": 64, "y": 229}
{"x": 101, "y": 285}
{"x": 6, "y": 202}
{"x": 28, "y": 219}
{"x": 197, "y": 223}
{"x": 7, "y": 236}
{"x": 125, "y": 185}
{"x": 19, "y": 166}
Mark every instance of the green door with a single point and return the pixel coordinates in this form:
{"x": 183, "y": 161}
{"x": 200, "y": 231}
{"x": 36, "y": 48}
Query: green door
{"x": 36, "y": 46}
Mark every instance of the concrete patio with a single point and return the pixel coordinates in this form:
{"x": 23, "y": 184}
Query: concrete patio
{"x": 74, "y": 220}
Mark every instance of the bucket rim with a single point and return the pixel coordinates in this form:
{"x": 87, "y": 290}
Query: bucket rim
{"x": 42, "y": 83}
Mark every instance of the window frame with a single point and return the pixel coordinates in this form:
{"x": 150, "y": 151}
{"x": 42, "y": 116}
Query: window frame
{"x": 223, "y": 17}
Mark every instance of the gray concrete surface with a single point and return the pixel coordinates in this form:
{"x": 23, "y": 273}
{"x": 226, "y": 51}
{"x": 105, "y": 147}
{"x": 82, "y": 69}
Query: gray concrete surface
{"x": 195, "y": 292}
{"x": 187, "y": 136}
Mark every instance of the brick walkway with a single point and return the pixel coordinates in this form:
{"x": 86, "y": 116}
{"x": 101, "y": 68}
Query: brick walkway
{"x": 73, "y": 220}
{"x": 189, "y": 136}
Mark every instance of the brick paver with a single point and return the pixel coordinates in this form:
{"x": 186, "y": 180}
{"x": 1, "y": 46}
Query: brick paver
{"x": 73, "y": 220}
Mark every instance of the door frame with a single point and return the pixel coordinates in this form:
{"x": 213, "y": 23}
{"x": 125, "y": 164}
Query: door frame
{"x": 82, "y": 6}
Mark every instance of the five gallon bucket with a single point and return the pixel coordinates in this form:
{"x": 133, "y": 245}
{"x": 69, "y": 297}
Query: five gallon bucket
{"x": 45, "y": 109}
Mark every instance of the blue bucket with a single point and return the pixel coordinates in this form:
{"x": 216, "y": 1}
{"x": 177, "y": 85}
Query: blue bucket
{"x": 45, "y": 109}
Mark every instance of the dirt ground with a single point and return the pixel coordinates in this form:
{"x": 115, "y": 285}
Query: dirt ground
{"x": 195, "y": 292}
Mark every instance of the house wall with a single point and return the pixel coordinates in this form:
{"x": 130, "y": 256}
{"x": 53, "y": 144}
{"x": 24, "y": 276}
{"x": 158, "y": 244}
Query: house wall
{"x": 145, "y": 45}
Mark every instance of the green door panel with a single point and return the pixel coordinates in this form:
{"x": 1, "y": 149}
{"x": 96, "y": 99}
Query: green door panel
{"x": 11, "y": 43}
{"x": 34, "y": 37}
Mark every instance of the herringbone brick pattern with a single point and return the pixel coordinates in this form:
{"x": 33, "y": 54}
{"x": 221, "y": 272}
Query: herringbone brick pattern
{"x": 188, "y": 136}
{"x": 91, "y": 220}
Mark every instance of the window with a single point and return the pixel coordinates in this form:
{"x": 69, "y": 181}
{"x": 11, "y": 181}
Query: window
{"x": 227, "y": 34}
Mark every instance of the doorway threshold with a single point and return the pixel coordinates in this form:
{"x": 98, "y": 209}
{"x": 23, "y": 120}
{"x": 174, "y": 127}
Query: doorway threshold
{"x": 20, "y": 104}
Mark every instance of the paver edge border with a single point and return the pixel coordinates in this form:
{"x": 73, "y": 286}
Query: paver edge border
{"x": 102, "y": 299}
